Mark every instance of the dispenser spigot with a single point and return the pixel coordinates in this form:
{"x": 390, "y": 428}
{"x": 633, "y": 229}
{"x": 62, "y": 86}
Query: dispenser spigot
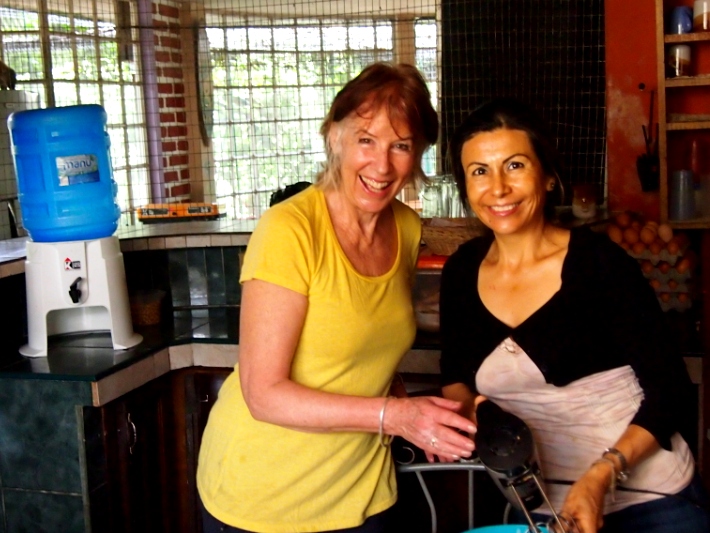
{"x": 74, "y": 291}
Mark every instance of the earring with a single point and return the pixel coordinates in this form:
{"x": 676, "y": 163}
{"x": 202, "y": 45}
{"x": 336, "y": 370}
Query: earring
{"x": 551, "y": 185}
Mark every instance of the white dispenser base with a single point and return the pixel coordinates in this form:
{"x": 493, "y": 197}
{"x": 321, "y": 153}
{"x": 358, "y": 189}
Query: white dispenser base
{"x": 95, "y": 269}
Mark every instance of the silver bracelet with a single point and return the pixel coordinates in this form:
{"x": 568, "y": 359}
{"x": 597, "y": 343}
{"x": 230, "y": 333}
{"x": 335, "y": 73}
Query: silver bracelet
{"x": 624, "y": 472}
{"x": 381, "y": 431}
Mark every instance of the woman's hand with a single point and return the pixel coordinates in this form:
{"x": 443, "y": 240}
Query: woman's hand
{"x": 432, "y": 424}
{"x": 585, "y": 500}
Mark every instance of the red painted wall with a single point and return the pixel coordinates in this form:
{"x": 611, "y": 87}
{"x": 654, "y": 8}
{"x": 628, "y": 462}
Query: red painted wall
{"x": 630, "y": 61}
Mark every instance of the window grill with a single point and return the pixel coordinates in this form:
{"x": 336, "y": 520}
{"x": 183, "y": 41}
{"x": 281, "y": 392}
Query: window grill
{"x": 70, "y": 53}
{"x": 241, "y": 87}
{"x": 274, "y": 80}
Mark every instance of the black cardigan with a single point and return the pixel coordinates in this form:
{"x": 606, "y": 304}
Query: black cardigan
{"x": 604, "y": 316}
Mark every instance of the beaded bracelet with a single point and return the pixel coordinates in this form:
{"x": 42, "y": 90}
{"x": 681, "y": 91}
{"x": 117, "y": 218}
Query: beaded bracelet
{"x": 381, "y": 431}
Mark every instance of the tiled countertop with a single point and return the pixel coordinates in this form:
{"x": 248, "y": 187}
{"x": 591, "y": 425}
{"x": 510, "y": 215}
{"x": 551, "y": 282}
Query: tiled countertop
{"x": 208, "y": 338}
{"x": 168, "y": 235}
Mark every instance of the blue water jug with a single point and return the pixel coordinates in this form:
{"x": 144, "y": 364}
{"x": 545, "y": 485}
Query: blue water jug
{"x": 64, "y": 176}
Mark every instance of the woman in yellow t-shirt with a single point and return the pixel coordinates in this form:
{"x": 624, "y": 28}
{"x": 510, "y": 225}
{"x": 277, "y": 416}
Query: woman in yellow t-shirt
{"x": 297, "y": 440}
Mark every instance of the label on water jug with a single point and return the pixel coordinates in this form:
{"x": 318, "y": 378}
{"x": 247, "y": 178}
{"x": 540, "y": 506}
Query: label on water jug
{"x": 77, "y": 169}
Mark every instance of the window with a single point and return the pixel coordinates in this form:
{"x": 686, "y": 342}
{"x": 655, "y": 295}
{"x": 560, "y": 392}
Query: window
{"x": 85, "y": 53}
{"x": 274, "y": 80}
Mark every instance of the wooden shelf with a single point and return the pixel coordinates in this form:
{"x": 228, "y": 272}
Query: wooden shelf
{"x": 688, "y": 81}
{"x": 687, "y": 37}
{"x": 681, "y": 126}
{"x": 693, "y": 223}
{"x": 670, "y": 91}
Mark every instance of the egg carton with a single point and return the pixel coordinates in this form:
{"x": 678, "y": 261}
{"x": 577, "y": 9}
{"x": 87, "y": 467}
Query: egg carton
{"x": 672, "y": 288}
{"x": 673, "y": 303}
{"x": 672, "y": 274}
{"x": 664, "y": 255}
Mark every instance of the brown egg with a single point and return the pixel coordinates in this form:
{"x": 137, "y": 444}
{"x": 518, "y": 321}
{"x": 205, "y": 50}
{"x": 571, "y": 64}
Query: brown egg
{"x": 636, "y": 225}
{"x": 665, "y": 232}
{"x": 683, "y": 297}
{"x": 665, "y": 296}
{"x": 653, "y": 224}
{"x": 625, "y": 245}
{"x": 631, "y": 235}
{"x": 663, "y": 267}
{"x": 672, "y": 284}
{"x": 656, "y": 246}
{"x": 673, "y": 247}
{"x": 646, "y": 267}
{"x": 647, "y": 235}
{"x": 655, "y": 284}
{"x": 683, "y": 265}
{"x": 638, "y": 248}
{"x": 615, "y": 233}
{"x": 623, "y": 219}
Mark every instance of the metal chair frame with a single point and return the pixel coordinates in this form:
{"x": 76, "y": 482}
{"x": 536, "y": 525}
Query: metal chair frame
{"x": 469, "y": 466}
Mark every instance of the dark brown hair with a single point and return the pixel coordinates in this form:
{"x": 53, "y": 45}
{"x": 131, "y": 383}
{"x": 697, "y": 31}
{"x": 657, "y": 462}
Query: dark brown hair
{"x": 401, "y": 91}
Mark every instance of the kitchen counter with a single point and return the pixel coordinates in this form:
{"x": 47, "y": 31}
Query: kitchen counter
{"x": 161, "y": 236}
{"x": 208, "y": 338}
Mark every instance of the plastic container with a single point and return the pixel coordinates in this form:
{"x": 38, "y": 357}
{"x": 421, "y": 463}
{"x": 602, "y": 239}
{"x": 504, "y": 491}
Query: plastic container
{"x": 64, "y": 176}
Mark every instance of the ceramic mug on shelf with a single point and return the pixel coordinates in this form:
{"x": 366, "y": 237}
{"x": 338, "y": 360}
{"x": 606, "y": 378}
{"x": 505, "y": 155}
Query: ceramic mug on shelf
{"x": 701, "y": 15}
{"x": 681, "y": 20}
{"x": 678, "y": 61}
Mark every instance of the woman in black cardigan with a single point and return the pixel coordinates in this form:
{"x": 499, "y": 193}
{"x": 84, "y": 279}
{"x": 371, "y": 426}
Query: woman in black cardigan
{"x": 560, "y": 328}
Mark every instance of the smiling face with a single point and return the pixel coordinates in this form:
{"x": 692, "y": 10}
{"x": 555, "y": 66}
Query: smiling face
{"x": 376, "y": 159}
{"x": 505, "y": 183}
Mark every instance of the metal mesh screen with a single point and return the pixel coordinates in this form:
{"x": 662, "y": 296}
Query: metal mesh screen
{"x": 549, "y": 53}
{"x": 221, "y": 102}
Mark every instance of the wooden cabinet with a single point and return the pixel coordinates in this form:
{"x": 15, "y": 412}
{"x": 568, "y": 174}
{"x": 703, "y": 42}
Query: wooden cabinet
{"x": 138, "y": 471}
{"x": 142, "y": 452}
{"x": 201, "y": 387}
{"x": 683, "y": 115}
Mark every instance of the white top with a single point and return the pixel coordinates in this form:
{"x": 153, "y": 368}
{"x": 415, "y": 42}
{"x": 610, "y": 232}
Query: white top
{"x": 572, "y": 425}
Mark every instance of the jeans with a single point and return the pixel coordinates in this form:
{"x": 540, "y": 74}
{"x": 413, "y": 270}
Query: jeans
{"x": 379, "y": 523}
{"x": 685, "y": 512}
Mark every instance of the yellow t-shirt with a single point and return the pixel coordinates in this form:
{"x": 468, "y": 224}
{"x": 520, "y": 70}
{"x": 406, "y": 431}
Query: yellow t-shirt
{"x": 266, "y": 478}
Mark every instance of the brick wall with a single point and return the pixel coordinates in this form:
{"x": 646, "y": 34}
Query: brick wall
{"x": 171, "y": 92}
